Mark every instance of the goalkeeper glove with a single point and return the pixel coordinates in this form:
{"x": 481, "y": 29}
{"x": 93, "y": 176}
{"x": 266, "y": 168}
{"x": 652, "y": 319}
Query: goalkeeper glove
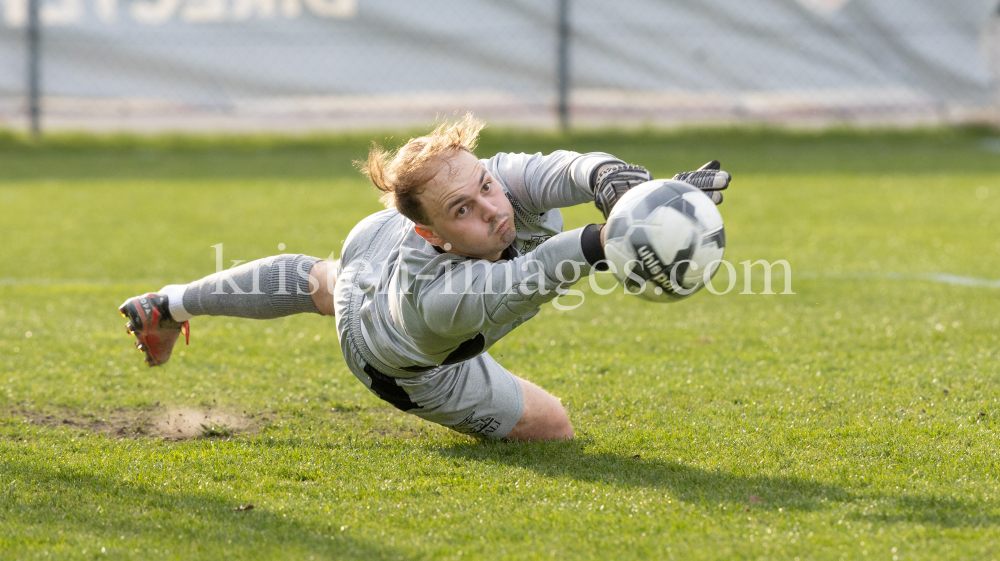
{"x": 709, "y": 178}
{"x": 613, "y": 181}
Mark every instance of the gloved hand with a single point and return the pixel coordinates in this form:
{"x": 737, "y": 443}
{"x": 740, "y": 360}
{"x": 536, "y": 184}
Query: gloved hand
{"x": 615, "y": 180}
{"x": 709, "y": 178}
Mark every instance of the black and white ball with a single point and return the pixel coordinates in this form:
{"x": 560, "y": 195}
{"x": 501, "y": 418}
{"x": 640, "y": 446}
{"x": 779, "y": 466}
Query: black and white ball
{"x": 664, "y": 239}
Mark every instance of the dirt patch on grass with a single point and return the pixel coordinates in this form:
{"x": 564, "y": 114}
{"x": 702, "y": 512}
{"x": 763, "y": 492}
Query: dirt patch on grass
{"x": 183, "y": 423}
{"x": 171, "y": 423}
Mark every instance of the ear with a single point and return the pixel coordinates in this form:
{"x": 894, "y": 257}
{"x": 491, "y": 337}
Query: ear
{"x": 426, "y": 233}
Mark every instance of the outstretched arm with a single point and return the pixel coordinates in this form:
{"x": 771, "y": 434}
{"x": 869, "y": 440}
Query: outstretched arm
{"x": 562, "y": 179}
{"x": 557, "y": 180}
{"x": 455, "y": 297}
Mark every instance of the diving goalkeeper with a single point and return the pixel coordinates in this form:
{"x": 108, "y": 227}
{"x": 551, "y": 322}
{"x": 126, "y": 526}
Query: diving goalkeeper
{"x": 466, "y": 251}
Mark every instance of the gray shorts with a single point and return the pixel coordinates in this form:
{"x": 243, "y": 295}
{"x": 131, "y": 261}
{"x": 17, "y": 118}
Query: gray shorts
{"x": 476, "y": 396}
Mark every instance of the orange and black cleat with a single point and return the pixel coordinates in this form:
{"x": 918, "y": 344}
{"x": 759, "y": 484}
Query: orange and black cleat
{"x": 149, "y": 320}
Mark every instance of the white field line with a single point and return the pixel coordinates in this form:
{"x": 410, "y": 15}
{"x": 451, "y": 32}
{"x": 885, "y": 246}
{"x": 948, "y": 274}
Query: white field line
{"x": 943, "y": 278}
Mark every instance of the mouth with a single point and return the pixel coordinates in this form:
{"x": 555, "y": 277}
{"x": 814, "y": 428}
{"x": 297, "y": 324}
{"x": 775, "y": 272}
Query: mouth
{"x": 503, "y": 226}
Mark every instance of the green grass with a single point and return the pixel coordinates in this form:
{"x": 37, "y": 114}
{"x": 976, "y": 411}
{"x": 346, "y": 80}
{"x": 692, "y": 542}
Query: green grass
{"x": 857, "y": 417}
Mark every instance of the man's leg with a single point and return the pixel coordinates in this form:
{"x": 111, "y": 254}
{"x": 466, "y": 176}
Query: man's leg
{"x": 267, "y": 288}
{"x": 264, "y": 289}
{"x": 544, "y": 417}
{"x": 322, "y": 280}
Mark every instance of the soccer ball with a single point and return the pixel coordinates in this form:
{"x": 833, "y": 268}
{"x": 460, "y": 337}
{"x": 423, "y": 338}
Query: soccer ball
{"x": 664, "y": 239}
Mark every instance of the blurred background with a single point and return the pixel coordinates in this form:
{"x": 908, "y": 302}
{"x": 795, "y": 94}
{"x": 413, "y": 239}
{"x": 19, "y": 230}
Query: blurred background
{"x": 297, "y": 65}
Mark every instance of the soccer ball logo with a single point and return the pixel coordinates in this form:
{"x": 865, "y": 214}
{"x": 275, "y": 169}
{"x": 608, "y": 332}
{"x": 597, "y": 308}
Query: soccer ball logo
{"x": 664, "y": 240}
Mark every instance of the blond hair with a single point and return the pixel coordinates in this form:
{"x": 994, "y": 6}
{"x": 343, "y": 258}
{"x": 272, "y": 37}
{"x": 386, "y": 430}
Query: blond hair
{"x": 402, "y": 174}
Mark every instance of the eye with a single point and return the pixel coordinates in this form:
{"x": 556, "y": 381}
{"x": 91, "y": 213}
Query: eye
{"x": 486, "y": 186}
{"x": 461, "y": 211}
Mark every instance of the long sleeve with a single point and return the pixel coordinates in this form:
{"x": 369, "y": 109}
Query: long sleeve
{"x": 455, "y": 297}
{"x": 540, "y": 183}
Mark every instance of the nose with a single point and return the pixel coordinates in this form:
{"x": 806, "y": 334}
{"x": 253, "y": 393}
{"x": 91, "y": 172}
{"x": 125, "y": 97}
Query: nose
{"x": 490, "y": 210}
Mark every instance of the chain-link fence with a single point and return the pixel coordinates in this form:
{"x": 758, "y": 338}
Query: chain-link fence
{"x": 334, "y": 64}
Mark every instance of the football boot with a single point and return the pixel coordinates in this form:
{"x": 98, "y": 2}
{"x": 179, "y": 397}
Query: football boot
{"x": 156, "y": 332}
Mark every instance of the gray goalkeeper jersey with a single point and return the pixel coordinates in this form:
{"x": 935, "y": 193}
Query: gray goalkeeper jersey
{"x": 404, "y": 307}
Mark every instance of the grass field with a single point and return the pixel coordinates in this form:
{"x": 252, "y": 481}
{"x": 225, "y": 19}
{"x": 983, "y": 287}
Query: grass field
{"x": 858, "y": 417}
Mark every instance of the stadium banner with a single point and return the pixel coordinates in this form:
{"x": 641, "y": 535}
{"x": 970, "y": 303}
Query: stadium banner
{"x": 692, "y": 56}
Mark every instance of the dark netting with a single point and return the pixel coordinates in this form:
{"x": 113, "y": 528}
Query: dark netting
{"x": 303, "y": 64}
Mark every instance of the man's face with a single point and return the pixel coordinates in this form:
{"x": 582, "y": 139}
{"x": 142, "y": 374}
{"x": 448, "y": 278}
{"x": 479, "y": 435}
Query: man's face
{"x": 468, "y": 211}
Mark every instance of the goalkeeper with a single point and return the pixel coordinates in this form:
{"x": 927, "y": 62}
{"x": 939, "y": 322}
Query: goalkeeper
{"x": 466, "y": 251}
